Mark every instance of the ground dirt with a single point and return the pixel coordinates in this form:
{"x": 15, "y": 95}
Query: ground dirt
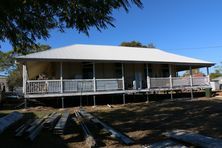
{"x": 143, "y": 122}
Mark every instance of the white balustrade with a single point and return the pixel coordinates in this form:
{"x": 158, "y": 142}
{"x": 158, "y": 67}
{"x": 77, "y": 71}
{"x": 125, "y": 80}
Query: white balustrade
{"x": 87, "y": 85}
{"x": 181, "y": 81}
{"x": 200, "y": 81}
{"x": 160, "y": 82}
{"x": 43, "y": 86}
{"x": 77, "y": 85}
{"x": 109, "y": 84}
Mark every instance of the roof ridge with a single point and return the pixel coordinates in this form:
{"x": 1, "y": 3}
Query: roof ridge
{"x": 112, "y": 53}
{"x": 114, "y": 46}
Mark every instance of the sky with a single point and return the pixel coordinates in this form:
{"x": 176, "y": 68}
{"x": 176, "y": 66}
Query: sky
{"x": 187, "y": 27}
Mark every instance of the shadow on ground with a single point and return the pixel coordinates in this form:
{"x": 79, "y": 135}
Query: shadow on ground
{"x": 146, "y": 122}
{"x": 73, "y": 138}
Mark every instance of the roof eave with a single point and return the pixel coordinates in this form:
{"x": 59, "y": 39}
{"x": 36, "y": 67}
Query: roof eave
{"x": 99, "y": 60}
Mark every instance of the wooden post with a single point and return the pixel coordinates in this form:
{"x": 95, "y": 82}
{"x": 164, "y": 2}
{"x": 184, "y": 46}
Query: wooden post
{"x": 94, "y": 76}
{"x": 191, "y": 82}
{"x": 171, "y": 81}
{"x": 123, "y": 79}
{"x": 24, "y": 74}
{"x": 147, "y": 82}
{"x": 26, "y": 103}
{"x": 123, "y": 84}
{"x": 208, "y": 76}
{"x": 147, "y": 77}
{"x": 61, "y": 77}
{"x": 62, "y": 102}
{"x": 80, "y": 101}
{"x": 147, "y": 97}
{"x": 94, "y": 100}
{"x": 94, "y": 83}
{"x": 124, "y": 98}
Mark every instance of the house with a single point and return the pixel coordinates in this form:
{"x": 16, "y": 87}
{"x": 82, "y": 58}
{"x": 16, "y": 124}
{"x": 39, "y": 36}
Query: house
{"x": 216, "y": 83}
{"x": 218, "y": 79}
{"x": 3, "y": 83}
{"x": 98, "y": 70}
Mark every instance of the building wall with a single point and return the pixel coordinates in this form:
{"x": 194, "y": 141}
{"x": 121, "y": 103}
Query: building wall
{"x": 74, "y": 70}
{"x": 36, "y": 68}
{"x": 105, "y": 70}
{"x": 161, "y": 70}
{"x": 71, "y": 70}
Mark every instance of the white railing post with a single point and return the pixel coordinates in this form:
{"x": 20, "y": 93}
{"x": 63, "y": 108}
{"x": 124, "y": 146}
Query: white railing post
{"x": 123, "y": 78}
{"x": 61, "y": 77}
{"x": 123, "y": 83}
{"x": 208, "y": 76}
{"x": 191, "y": 77}
{"x": 94, "y": 77}
{"x": 24, "y": 73}
{"x": 191, "y": 82}
{"x": 147, "y": 77}
{"x": 170, "y": 76}
{"x": 94, "y": 83}
{"x": 171, "y": 82}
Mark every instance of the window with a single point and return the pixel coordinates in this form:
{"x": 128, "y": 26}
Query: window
{"x": 165, "y": 70}
{"x": 118, "y": 70}
{"x": 150, "y": 70}
{"x": 87, "y": 70}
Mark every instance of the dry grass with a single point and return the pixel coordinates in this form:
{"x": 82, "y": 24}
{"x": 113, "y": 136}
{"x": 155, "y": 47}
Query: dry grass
{"x": 143, "y": 122}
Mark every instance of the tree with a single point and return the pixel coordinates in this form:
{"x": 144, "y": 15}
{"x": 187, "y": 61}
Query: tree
{"x": 137, "y": 44}
{"x": 215, "y": 74}
{"x": 14, "y": 71}
{"x": 194, "y": 71}
{"x": 22, "y": 22}
{"x": 217, "y": 71}
{"x": 15, "y": 78}
{"x": 7, "y": 59}
{"x": 151, "y": 45}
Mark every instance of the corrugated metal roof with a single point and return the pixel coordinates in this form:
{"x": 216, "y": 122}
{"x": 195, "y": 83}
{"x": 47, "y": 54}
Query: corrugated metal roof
{"x": 112, "y": 53}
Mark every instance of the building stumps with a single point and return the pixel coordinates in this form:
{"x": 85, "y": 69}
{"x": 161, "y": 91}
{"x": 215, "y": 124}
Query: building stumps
{"x": 62, "y": 98}
{"x": 94, "y": 101}
{"x": 191, "y": 94}
{"x": 124, "y": 99}
{"x": 80, "y": 101}
{"x": 25, "y": 103}
{"x": 171, "y": 95}
{"x": 147, "y": 98}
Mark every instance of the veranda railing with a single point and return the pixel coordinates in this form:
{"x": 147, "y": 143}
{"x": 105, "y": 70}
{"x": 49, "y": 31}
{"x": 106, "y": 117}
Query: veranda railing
{"x": 87, "y": 85}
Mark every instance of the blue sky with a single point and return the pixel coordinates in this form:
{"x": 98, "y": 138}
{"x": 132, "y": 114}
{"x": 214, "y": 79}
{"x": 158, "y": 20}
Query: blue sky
{"x": 172, "y": 25}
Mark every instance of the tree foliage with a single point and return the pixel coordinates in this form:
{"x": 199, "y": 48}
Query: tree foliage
{"x": 14, "y": 71}
{"x": 194, "y": 72}
{"x": 137, "y": 44}
{"x": 15, "y": 78}
{"x": 7, "y": 59}
{"x": 217, "y": 71}
{"x": 22, "y": 22}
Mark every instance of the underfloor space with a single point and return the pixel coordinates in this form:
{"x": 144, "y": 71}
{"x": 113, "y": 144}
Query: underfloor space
{"x": 110, "y": 99}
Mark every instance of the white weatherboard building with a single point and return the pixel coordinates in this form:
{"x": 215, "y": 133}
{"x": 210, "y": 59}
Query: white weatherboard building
{"x": 98, "y": 70}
